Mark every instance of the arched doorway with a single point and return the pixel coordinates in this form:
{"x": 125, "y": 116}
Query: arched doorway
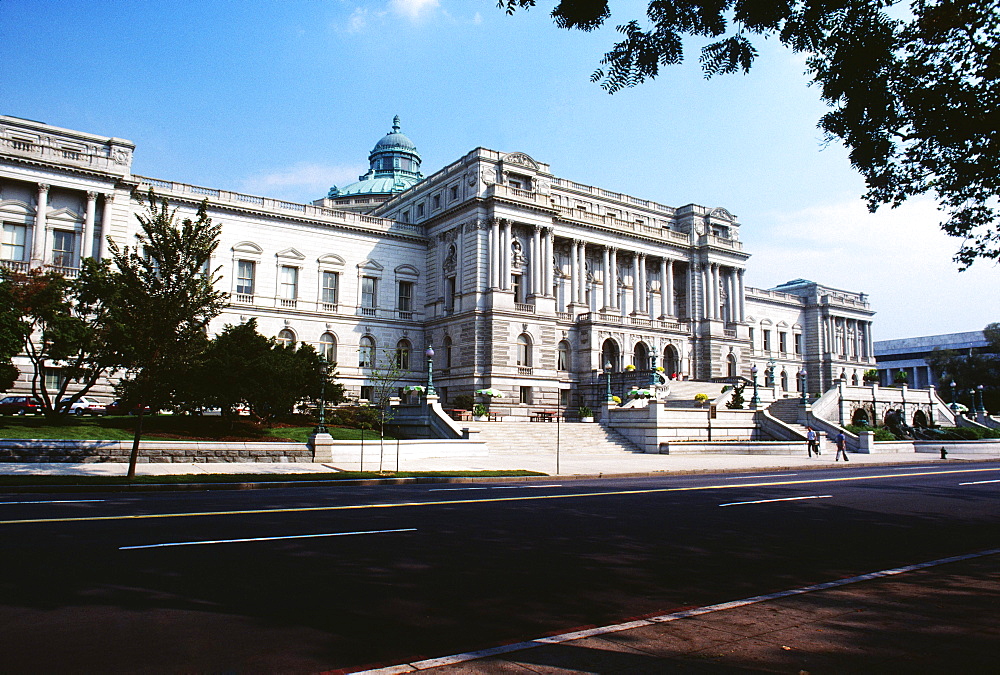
{"x": 731, "y": 366}
{"x": 671, "y": 362}
{"x": 640, "y": 356}
{"x": 610, "y": 355}
{"x": 860, "y": 418}
{"x": 920, "y": 419}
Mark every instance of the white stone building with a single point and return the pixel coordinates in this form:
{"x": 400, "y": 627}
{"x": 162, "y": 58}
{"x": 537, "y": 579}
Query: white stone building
{"x": 522, "y": 281}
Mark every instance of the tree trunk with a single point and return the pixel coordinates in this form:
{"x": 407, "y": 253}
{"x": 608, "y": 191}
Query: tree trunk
{"x": 134, "y": 457}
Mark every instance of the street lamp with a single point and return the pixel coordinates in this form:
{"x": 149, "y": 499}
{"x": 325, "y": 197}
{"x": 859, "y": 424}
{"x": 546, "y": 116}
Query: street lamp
{"x": 982, "y": 400}
{"x": 430, "y": 370}
{"x": 607, "y": 377}
{"x": 802, "y": 378}
{"x": 954, "y": 392}
{"x": 321, "y": 427}
{"x": 755, "y": 401}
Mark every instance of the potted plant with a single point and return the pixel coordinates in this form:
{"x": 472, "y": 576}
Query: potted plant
{"x": 701, "y": 399}
{"x": 630, "y": 367}
{"x": 586, "y": 414}
{"x": 900, "y": 377}
{"x": 479, "y": 412}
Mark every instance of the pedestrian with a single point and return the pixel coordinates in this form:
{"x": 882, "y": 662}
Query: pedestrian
{"x": 812, "y": 442}
{"x": 841, "y": 447}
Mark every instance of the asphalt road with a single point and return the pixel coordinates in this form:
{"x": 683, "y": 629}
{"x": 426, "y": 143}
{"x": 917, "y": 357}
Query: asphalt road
{"x": 312, "y": 579}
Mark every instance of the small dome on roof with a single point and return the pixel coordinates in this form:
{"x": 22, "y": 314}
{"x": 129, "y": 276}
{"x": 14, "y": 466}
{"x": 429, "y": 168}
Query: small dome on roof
{"x": 394, "y": 167}
{"x": 394, "y": 140}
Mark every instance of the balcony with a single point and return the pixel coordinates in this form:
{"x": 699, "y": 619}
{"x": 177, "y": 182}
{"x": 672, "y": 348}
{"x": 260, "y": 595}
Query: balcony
{"x": 524, "y": 307}
{"x": 288, "y": 303}
{"x": 369, "y": 311}
{"x": 14, "y": 265}
{"x": 243, "y": 298}
{"x": 524, "y": 370}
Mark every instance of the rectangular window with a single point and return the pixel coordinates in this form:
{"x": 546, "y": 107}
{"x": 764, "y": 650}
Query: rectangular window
{"x": 367, "y": 392}
{"x": 564, "y": 397}
{"x": 767, "y": 341}
{"x": 753, "y": 347}
{"x": 404, "y": 300}
{"x": 797, "y": 341}
{"x": 331, "y": 288}
{"x": 449, "y": 294}
{"x": 405, "y": 218}
{"x": 782, "y": 342}
{"x": 63, "y": 248}
{"x": 437, "y": 201}
{"x": 289, "y": 282}
{"x": 515, "y": 284}
{"x": 53, "y": 379}
{"x": 420, "y": 210}
{"x": 14, "y": 236}
{"x": 369, "y": 292}
{"x": 245, "y": 273}
{"x": 525, "y": 395}
{"x": 454, "y": 192}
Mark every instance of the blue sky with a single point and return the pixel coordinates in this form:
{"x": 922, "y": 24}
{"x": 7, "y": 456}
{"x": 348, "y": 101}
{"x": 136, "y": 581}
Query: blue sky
{"x": 285, "y": 98}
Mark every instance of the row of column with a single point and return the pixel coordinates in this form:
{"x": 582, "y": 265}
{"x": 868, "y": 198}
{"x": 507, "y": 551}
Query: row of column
{"x": 850, "y": 337}
{"x": 39, "y": 237}
{"x": 715, "y": 278}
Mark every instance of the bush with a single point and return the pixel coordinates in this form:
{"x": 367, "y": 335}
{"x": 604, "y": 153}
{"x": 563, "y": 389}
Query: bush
{"x": 464, "y": 402}
{"x": 968, "y": 433}
{"x": 701, "y": 398}
{"x": 880, "y": 434}
{"x": 585, "y": 411}
{"x": 479, "y": 409}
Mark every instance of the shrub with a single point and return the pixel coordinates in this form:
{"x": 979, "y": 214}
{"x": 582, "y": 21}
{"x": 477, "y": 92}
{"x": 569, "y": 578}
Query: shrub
{"x": 968, "y": 433}
{"x": 585, "y": 411}
{"x": 478, "y": 409}
{"x": 701, "y": 398}
{"x": 464, "y": 402}
{"x": 900, "y": 377}
{"x": 880, "y": 434}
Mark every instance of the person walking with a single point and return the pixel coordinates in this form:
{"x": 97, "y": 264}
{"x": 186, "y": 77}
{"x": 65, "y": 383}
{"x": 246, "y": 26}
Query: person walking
{"x": 841, "y": 447}
{"x": 812, "y": 442}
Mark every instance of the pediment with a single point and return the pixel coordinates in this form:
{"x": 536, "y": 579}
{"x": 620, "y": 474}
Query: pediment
{"x": 247, "y": 247}
{"x": 290, "y": 254}
{"x": 407, "y": 271}
{"x": 521, "y": 159}
{"x": 331, "y": 259}
{"x": 370, "y": 265}
{"x": 722, "y": 214}
{"x": 65, "y": 214}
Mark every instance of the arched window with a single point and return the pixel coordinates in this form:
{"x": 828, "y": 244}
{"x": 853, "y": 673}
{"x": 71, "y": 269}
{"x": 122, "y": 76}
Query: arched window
{"x": 403, "y": 354}
{"x": 447, "y": 351}
{"x": 562, "y": 356}
{"x": 366, "y": 352}
{"x": 609, "y": 354}
{"x": 328, "y": 347}
{"x": 731, "y": 366}
{"x": 640, "y": 356}
{"x": 286, "y": 338}
{"x": 524, "y": 350}
{"x": 854, "y": 379}
{"x": 784, "y": 381}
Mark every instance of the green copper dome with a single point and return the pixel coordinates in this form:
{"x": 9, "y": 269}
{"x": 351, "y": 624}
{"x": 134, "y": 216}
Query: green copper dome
{"x": 394, "y": 167}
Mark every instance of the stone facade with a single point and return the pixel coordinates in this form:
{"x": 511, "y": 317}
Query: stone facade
{"x": 522, "y": 281}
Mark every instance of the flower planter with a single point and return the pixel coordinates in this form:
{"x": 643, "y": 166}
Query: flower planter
{"x": 586, "y": 419}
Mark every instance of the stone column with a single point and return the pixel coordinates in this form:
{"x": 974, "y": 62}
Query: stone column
{"x": 607, "y": 279}
{"x": 574, "y": 270}
{"x": 494, "y": 254}
{"x": 547, "y": 271}
{"x": 536, "y": 260}
{"x": 109, "y": 200}
{"x": 636, "y": 305}
{"x": 716, "y": 292}
{"x": 505, "y": 256}
{"x": 88, "y": 227}
{"x": 38, "y": 234}
{"x": 614, "y": 278}
{"x": 665, "y": 291}
{"x": 582, "y": 268}
{"x": 743, "y": 296}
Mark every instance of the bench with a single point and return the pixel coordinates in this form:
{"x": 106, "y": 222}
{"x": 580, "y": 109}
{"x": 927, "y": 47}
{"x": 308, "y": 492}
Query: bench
{"x": 542, "y": 416}
{"x": 458, "y": 414}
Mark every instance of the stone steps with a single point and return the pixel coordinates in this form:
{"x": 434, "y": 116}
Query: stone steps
{"x": 540, "y": 437}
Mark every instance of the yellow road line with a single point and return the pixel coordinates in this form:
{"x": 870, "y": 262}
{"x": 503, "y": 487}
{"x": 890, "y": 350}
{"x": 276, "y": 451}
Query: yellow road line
{"x": 484, "y": 500}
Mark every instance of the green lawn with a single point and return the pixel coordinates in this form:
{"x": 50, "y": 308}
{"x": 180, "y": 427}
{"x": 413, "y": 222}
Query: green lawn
{"x": 167, "y": 427}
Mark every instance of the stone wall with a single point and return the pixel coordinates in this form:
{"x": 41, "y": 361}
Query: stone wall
{"x": 151, "y": 451}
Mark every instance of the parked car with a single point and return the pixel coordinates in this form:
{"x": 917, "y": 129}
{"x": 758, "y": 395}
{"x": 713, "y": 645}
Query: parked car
{"x": 119, "y": 408}
{"x": 19, "y": 405}
{"x": 87, "y": 406}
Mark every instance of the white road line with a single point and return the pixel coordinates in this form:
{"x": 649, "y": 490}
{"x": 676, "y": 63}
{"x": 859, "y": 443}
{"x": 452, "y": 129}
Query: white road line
{"x": 980, "y": 482}
{"x": 523, "y": 487}
{"x": 664, "y": 618}
{"x": 57, "y": 501}
{"x": 785, "y": 499}
{"x": 770, "y": 475}
{"x": 456, "y": 489}
{"x": 290, "y": 536}
{"x": 910, "y": 468}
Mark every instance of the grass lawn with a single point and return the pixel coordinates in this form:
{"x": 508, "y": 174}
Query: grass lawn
{"x": 167, "y": 427}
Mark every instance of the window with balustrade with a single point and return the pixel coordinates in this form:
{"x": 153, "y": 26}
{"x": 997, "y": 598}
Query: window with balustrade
{"x": 330, "y": 291}
{"x": 289, "y": 285}
{"x": 404, "y": 298}
{"x": 369, "y": 295}
{"x": 523, "y": 351}
{"x": 246, "y": 274}
{"x": 63, "y": 248}
{"x": 13, "y": 242}
{"x": 783, "y": 342}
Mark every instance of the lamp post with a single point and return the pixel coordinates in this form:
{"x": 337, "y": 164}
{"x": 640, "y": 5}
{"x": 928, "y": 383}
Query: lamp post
{"x": 954, "y": 392}
{"x": 321, "y": 427}
{"x": 755, "y": 401}
{"x": 802, "y": 379}
{"x": 607, "y": 378}
{"x": 982, "y": 401}
{"x": 430, "y": 370}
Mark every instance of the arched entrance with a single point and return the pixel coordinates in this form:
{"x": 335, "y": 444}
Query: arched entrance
{"x": 861, "y": 418}
{"x": 610, "y": 354}
{"x": 671, "y": 361}
{"x": 640, "y": 356}
{"x": 920, "y": 419}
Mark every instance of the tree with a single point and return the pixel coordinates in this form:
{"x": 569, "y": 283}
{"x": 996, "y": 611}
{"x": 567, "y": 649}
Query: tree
{"x": 160, "y": 298}
{"x": 60, "y": 326}
{"x": 241, "y": 366}
{"x": 11, "y": 335}
{"x": 384, "y": 374}
{"x": 916, "y": 100}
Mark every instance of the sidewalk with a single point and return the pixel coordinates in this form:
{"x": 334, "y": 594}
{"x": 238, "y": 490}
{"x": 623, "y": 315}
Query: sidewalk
{"x": 573, "y": 463}
{"x": 941, "y": 619}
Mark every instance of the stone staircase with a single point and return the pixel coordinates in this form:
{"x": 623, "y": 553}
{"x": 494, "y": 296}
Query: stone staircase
{"x": 787, "y": 410}
{"x": 682, "y": 392}
{"x": 533, "y": 438}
